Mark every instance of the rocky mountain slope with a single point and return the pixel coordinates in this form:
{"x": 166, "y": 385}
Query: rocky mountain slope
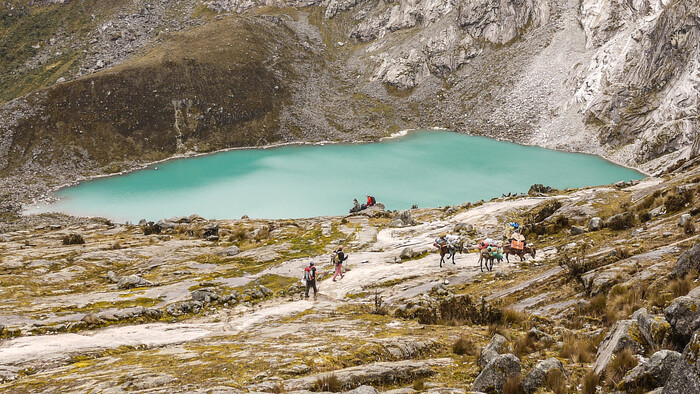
{"x": 609, "y": 301}
{"x": 93, "y": 88}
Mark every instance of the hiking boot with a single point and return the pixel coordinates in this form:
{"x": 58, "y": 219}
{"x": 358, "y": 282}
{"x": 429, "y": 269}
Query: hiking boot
{"x": 333, "y": 279}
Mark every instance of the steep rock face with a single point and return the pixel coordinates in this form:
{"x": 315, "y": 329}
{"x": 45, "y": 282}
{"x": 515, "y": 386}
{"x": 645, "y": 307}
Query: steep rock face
{"x": 645, "y": 79}
{"x": 500, "y": 21}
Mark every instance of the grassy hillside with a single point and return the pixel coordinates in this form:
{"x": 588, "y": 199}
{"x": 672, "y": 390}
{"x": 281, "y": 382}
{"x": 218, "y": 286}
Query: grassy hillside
{"x": 217, "y": 86}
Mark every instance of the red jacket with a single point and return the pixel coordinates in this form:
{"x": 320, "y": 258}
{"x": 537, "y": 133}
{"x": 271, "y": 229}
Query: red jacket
{"x": 369, "y": 201}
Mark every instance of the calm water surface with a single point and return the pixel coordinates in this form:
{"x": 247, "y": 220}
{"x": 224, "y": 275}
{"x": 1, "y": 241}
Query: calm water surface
{"x": 428, "y": 168}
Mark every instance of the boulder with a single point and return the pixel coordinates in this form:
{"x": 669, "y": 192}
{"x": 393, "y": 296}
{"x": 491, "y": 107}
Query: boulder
{"x": 536, "y": 377}
{"x": 594, "y": 224}
{"x": 142, "y": 222}
{"x": 205, "y": 295}
{"x": 654, "y": 328}
{"x": 265, "y": 291}
{"x": 575, "y": 230}
{"x": 539, "y": 189}
{"x": 232, "y": 251}
{"x": 685, "y": 218}
{"x": 131, "y": 281}
{"x": 112, "y": 277}
{"x": 625, "y": 334}
{"x": 684, "y": 316}
{"x": 406, "y": 218}
{"x": 689, "y": 260}
{"x": 211, "y": 230}
{"x": 496, "y": 373}
{"x": 165, "y": 224}
{"x": 396, "y": 222}
{"x": 497, "y": 345}
{"x": 407, "y": 253}
{"x": 651, "y": 374}
{"x": 685, "y": 376}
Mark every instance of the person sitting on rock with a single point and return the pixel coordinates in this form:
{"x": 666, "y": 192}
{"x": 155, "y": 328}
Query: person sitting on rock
{"x": 356, "y": 207}
{"x": 339, "y": 258}
{"x": 370, "y": 201}
{"x": 310, "y": 278}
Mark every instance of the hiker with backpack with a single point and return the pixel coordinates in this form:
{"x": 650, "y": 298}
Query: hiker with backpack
{"x": 310, "y": 279}
{"x": 370, "y": 201}
{"x": 338, "y": 258}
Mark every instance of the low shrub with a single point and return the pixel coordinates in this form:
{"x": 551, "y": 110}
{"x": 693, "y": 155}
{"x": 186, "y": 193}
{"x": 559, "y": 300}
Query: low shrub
{"x": 150, "y": 228}
{"x": 689, "y": 227}
{"x": 578, "y": 350}
{"x": 622, "y": 221}
{"x": 513, "y": 385}
{"x": 463, "y": 346}
{"x": 589, "y": 383}
{"x": 419, "y": 385}
{"x": 526, "y": 344}
{"x": 677, "y": 201}
{"x": 555, "y": 381}
{"x": 644, "y": 216}
{"x": 328, "y": 383}
{"x": 115, "y": 246}
{"x": 619, "y": 365}
{"x": 73, "y": 239}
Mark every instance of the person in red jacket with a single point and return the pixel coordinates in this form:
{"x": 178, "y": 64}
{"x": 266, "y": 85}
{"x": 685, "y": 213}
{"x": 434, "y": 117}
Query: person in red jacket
{"x": 370, "y": 201}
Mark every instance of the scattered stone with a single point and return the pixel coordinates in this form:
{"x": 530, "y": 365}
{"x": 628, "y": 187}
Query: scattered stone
{"x": 406, "y": 218}
{"x": 232, "y": 251}
{"x": 536, "y": 377}
{"x": 688, "y": 261}
{"x": 205, "y": 295}
{"x": 407, "y": 253}
{"x": 497, "y": 345}
{"x": 685, "y": 218}
{"x": 131, "y": 281}
{"x": 625, "y": 334}
{"x": 685, "y": 377}
{"x": 684, "y": 316}
{"x": 575, "y": 230}
{"x": 91, "y": 318}
{"x": 496, "y": 373}
{"x": 164, "y": 224}
{"x": 651, "y": 374}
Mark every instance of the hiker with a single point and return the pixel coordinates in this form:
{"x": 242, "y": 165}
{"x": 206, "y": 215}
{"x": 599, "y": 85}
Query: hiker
{"x": 356, "y": 207}
{"x": 310, "y": 278}
{"x": 338, "y": 260}
{"x": 370, "y": 201}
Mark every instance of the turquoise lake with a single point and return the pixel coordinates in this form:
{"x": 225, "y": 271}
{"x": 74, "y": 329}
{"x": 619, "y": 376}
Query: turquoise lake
{"x": 428, "y": 168}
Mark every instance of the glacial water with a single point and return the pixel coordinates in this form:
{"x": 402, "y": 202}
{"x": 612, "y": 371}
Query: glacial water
{"x": 427, "y": 168}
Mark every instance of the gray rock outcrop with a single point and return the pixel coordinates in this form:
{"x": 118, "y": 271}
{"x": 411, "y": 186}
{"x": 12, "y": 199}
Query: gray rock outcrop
{"x": 496, "y": 373}
{"x": 537, "y": 376}
{"x": 654, "y": 328}
{"x": 685, "y": 377}
{"x": 684, "y": 316}
{"x": 624, "y": 334}
{"x": 496, "y": 346}
{"x": 651, "y": 374}
{"x": 687, "y": 261}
